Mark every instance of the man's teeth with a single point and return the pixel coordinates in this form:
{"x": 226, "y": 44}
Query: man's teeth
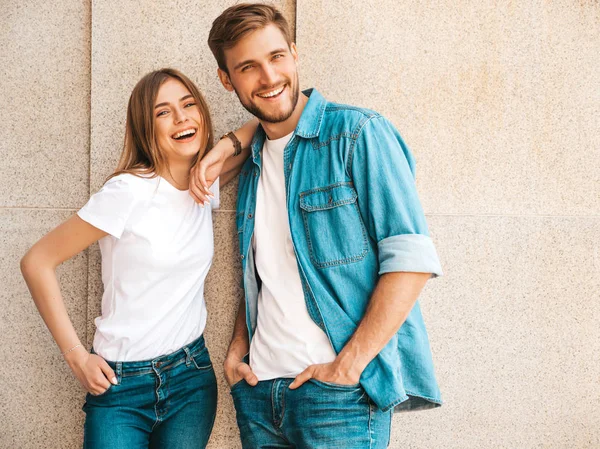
{"x": 272, "y": 93}
{"x": 187, "y": 132}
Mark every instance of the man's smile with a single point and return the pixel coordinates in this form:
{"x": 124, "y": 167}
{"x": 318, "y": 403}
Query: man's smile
{"x": 272, "y": 93}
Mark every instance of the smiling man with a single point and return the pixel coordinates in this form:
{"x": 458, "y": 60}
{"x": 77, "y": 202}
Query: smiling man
{"x": 334, "y": 249}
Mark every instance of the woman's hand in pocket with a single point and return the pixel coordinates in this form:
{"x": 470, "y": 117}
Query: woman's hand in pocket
{"x": 92, "y": 371}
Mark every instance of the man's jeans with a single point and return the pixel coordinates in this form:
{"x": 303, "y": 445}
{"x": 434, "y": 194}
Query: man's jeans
{"x": 170, "y": 401}
{"x": 316, "y": 415}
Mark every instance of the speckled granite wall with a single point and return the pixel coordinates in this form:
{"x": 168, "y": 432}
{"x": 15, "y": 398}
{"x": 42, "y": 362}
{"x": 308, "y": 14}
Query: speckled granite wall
{"x": 500, "y": 104}
{"x": 44, "y": 170}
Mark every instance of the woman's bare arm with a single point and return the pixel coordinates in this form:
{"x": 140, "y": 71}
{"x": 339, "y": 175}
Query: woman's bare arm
{"x": 39, "y": 270}
{"x": 219, "y": 162}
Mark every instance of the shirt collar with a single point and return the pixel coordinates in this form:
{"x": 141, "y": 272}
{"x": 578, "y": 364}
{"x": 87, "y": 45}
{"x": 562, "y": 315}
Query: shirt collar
{"x": 312, "y": 115}
{"x": 308, "y": 126}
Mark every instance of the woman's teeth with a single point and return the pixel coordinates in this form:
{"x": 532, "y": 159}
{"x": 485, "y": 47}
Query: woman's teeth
{"x": 184, "y": 134}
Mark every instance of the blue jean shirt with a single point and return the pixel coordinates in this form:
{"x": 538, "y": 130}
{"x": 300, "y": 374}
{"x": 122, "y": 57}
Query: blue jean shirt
{"x": 354, "y": 215}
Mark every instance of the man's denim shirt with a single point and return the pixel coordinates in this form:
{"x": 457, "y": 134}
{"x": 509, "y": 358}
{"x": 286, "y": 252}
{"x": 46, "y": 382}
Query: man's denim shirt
{"x": 354, "y": 215}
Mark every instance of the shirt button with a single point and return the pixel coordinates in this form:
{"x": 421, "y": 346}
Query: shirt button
{"x": 290, "y": 166}
{"x": 242, "y": 257}
{"x": 250, "y": 216}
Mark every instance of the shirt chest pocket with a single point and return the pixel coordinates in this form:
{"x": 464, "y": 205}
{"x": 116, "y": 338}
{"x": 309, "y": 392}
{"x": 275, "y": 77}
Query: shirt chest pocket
{"x": 334, "y": 229}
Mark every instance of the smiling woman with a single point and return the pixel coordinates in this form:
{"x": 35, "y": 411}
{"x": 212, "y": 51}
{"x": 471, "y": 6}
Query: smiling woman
{"x": 149, "y": 374}
{"x": 165, "y": 103}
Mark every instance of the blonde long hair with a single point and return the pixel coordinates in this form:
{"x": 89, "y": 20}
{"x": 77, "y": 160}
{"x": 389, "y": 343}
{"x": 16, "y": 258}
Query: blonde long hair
{"x": 141, "y": 154}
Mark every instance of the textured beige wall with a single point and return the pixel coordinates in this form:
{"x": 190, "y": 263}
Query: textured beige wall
{"x": 500, "y": 104}
{"x": 45, "y": 67}
{"x": 44, "y": 154}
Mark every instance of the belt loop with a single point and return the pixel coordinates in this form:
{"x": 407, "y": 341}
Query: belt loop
{"x": 119, "y": 372}
{"x": 188, "y": 356}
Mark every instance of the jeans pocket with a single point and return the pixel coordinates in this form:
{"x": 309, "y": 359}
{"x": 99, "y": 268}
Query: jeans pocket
{"x": 104, "y": 393}
{"x": 237, "y": 385}
{"x": 201, "y": 360}
{"x": 333, "y": 386}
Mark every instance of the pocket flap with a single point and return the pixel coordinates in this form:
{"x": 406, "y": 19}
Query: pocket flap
{"x": 327, "y": 197}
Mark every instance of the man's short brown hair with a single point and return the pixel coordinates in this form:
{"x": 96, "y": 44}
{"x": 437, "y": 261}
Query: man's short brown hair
{"x": 237, "y": 21}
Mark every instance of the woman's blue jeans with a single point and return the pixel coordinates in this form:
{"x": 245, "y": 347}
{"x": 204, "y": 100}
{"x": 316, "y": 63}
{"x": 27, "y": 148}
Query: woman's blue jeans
{"x": 168, "y": 402}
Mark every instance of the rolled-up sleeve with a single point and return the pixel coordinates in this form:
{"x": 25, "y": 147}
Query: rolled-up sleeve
{"x": 382, "y": 169}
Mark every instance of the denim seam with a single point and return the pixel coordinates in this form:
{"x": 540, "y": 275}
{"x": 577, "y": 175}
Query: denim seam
{"x": 317, "y": 145}
{"x": 317, "y": 128}
{"x": 201, "y": 368}
{"x": 332, "y": 107}
{"x": 326, "y": 206}
{"x": 322, "y": 110}
{"x": 308, "y": 239}
{"x": 273, "y": 404}
{"x": 359, "y": 129}
{"x": 326, "y": 188}
{"x": 188, "y": 356}
{"x": 339, "y": 387}
{"x": 394, "y": 403}
{"x": 275, "y": 399}
{"x": 282, "y": 405}
{"x": 158, "y": 420}
{"x": 119, "y": 372}
{"x": 172, "y": 365}
{"x": 310, "y": 208}
{"x": 402, "y": 399}
{"x": 437, "y": 401}
{"x": 138, "y": 373}
{"x": 370, "y": 418}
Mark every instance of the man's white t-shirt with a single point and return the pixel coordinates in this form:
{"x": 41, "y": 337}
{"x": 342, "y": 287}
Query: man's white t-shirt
{"x": 154, "y": 263}
{"x": 286, "y": 340}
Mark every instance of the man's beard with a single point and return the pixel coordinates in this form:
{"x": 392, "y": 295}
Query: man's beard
{"x": 276, "y": 117}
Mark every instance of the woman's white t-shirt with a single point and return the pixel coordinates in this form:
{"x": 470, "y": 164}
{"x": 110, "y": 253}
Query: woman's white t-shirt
{"x": 154, "y": 264}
